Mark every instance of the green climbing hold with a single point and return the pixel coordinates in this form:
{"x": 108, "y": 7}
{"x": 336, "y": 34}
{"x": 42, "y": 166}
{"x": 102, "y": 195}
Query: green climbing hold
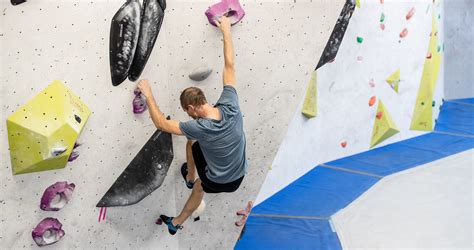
{"x": 433, "y": 104}
{"x": 439, "y": 48}
{"x": 422, "y": 103}
{"x": 382, "y": 17}
{"x": 360, "y": 39}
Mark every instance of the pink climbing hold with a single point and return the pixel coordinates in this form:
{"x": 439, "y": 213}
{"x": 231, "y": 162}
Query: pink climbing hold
{"x": 382, "y": 26}
{"x": 372, "y": 101}
{"x": 372, "y": 83}
{"x": 138, "y": 103}
{"x": 429, "y": 55}
{"x": 229, "y": 8}
{"x": 404, "y": 33}
{"x": 381, "y": 1}
{"x": 244, "y": 213}
{"x": 410, "y": 13}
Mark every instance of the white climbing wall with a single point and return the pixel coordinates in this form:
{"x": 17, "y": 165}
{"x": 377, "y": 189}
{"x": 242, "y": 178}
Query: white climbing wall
{"x": 346, "y": 85}
{"x": 277, "y": 46}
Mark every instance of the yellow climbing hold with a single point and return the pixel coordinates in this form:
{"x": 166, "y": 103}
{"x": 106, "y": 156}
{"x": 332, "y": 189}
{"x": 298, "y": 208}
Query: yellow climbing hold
{"x": 422, "y": 118}
{"x": 310, "y": 104}
{"x": 384, "y": 127}
{"x": 42, "y": 133}
{"x": 358, "y": 3}
{"x": 394, "y": 80}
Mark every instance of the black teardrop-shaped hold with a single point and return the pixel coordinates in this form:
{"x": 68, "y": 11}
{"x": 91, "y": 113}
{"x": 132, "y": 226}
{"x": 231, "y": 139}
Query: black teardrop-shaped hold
{"x": 124, "y": 31}
{"x": 152, "y": 18}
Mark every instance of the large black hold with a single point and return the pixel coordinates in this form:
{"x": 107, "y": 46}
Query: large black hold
{"x": 16, "y": 2}
{"x": 332, "y": 46}
{"x": 143, "y": 175}
{"x": 152, "y": 18}
{"x": 124, "y": 32}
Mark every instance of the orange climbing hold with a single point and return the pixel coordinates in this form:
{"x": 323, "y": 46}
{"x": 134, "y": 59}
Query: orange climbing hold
{"x": 379, "y": 115}
{"x": 372, "y": 101}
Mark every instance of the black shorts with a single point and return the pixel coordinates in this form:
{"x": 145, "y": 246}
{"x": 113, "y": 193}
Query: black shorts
{"x": 207, "y": 185}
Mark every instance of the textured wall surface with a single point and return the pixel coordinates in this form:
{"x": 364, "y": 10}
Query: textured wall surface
{"x": 277, "y": 45}
{"x": 459, "y": 52}
{"x": 345, "y": 86}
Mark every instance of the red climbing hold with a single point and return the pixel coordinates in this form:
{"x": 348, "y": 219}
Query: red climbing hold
{"x": 372, "y": 101}
{"x": 429, "y": 55}
{"x": 382, "y": 26}
{"x": 344, "y": 144}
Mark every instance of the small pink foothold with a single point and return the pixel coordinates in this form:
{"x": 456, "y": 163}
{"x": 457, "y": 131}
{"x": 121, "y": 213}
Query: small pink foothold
{"x": 429, "y": 55}
{"x": 382, "y": 26}
{"x": 359, "y": 59}
{"x": 344, "y": 144}
{"x": 158, "y": 221}
{"x": 379, "y": 115}
{"x": 372, "y": 101}
{"x": 381, "y": 1}
{"x": 410, "y": 13}
{"x": 404, "y": 33}
{"x": 372, "y": 83}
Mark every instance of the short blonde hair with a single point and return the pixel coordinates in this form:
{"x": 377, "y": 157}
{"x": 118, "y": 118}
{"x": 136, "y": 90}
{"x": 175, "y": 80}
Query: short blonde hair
{"x": 192, "y": 96}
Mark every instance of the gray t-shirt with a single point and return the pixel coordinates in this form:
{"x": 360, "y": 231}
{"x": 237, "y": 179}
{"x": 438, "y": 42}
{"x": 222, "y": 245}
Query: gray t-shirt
{"x": 222, "y": 142}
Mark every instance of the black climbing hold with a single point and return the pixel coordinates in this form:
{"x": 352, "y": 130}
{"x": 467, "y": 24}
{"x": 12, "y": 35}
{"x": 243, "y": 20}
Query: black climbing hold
{"x": 16, "y": 2}
{"x": 150, "y": 25}
{"x": 124, "y": 31}
{"x": 145, "y": 173}
{"x": 78, "y": 119}
{"x": 332, "y": 46}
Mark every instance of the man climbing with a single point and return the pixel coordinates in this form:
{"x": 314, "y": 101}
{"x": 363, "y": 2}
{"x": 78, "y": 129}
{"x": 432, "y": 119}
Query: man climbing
{"x": 216, "y": 140}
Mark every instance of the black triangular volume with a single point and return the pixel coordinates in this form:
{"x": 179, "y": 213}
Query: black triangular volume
{"x": 144, "y": 174}
{"x": 332, "y": 46}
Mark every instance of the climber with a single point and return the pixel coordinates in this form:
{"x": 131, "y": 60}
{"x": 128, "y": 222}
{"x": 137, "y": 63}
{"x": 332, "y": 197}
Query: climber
{"x": 216, "y": 141}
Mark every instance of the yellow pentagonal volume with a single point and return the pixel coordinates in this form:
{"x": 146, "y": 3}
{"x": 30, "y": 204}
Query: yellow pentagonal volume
{"x": 42, "y": 133}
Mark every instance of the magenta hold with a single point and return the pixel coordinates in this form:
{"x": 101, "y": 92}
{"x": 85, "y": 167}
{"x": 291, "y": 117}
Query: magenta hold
{"x": 229, "y": 8}
{"x": 73, "y": 156}
{"x": 139, "y": 103}
{"x": 57, "y": 196}
{"x": 47, "y": 232}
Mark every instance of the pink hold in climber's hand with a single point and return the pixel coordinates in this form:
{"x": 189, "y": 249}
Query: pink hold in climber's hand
{"x": 229, "y": 8}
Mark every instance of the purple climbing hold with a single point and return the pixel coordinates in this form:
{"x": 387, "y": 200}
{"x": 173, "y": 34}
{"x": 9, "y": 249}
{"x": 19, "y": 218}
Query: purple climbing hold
{"x": 57, "y": 196}
{"x": 229, "y": 8}
{"x": 47, "y": 232}
{"x": 74, "y": 154}
{"x": 139, "y": 103}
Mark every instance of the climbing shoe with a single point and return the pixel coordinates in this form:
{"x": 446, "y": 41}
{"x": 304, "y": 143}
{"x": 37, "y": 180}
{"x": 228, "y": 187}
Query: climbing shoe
{"x": 184, "y": 172}
{"x": 169, "y": 222}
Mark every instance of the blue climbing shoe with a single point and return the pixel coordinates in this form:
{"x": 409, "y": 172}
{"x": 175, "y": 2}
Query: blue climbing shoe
{"x": 184, "y": 172}
{"x": 172, "y": 229}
